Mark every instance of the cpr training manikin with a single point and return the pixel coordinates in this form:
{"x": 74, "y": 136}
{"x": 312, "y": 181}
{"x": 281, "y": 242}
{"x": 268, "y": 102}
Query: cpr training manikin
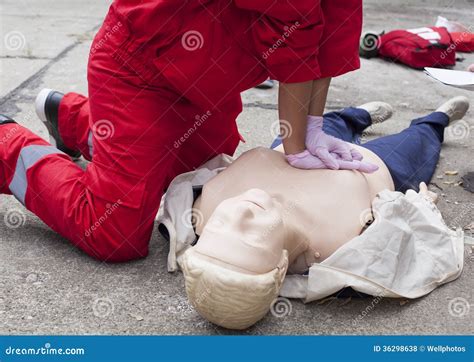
{"x": 267, "y": 229}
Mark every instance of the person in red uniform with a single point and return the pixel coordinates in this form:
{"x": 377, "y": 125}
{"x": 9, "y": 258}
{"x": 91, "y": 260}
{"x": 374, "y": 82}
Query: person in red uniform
{"x": 164, "y": 81}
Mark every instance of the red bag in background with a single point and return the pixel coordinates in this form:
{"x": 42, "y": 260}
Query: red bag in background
{"x": 463, "y": 42}
{"x": 419, "y": 48}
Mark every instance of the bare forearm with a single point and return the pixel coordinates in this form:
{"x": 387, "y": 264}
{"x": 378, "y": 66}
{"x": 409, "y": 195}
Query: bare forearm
{"x": 293, "y": 107}
{"x": 319, "y": 95}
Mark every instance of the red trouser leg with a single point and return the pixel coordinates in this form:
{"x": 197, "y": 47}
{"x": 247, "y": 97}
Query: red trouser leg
{"x": 108, "y": 210}
{"x": 104, "y": 215}
{"x": 74, "y": 125}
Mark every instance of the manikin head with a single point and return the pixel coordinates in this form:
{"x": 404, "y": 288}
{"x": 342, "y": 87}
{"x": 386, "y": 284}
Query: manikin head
{"x": 236, "y": 270}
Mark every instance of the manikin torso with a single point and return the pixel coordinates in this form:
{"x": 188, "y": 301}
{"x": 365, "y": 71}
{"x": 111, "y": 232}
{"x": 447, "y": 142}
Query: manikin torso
{"x": 321, "y": 209}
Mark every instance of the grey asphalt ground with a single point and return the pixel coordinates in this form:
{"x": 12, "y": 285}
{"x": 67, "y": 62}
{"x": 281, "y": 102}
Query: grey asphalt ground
{"x": 49, "y": 287}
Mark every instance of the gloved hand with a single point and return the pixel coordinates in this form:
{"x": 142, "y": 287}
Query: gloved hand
{"x": 305, "y": 160}
{"x": 325, "y": 147}
{"x": 358, "y": 165}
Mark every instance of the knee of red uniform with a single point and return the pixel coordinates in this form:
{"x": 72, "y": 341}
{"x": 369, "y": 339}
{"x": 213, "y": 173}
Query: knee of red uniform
{"x": 115, "y": 251}
{"x": 117, "y": 240}
{"x": 122, "y": 253}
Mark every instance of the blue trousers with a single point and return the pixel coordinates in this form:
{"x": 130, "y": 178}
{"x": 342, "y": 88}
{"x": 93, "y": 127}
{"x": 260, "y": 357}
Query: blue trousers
{"x": 411, "y": 155}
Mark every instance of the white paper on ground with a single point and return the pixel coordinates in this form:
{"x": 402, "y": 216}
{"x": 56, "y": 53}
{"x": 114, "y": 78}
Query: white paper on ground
{"x": 454, "y": 78}
{"x": 451, "y": 26}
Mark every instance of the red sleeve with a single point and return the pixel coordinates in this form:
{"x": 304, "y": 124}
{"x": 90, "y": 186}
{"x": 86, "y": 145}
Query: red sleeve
{"x": 286, "y": 35}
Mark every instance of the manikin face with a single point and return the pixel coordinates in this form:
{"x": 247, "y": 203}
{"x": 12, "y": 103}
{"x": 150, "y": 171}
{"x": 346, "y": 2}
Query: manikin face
{"x": 245, "y": 232}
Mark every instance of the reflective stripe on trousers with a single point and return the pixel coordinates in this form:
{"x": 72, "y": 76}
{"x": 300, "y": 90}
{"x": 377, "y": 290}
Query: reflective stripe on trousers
{"x": 29, "y": 155}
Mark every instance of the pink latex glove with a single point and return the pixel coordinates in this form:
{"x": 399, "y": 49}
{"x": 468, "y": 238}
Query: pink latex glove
{"x": 358, "y": 165}
{"x": 325, "y": 146}
{"x": 305, "y": 160}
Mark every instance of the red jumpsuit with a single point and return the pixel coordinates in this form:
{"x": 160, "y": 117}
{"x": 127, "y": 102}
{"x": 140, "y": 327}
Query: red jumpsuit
{"x": 164, "y": 93}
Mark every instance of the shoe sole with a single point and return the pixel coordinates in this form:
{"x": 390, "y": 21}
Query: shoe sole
{"x": 40, "y": 103}
{"x": 385, "y": 114}
{"x": 457, "y": 114}
{"x": 40, "y": 108}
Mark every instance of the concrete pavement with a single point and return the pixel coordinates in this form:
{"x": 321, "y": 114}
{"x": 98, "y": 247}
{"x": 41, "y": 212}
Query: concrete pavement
{"x": 49, "y": 287}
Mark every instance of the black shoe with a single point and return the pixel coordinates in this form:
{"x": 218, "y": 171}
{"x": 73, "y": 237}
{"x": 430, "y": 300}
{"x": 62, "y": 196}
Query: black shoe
{"x": 47, "y": 109}
{"x": 5, "y": 119}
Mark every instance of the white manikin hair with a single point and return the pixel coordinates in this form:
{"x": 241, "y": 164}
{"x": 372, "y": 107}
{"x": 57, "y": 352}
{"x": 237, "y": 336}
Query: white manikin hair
{"x": 229, "y": 298}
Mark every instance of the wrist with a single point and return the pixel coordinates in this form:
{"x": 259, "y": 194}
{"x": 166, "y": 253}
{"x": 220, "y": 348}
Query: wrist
{"x": 293, "y": 149}
{"x": 315, "y": 121}
{"x": 295, "y": 156}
